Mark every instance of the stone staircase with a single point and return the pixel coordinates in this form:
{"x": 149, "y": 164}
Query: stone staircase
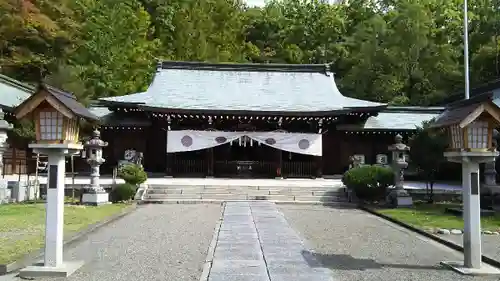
{"x": 216, "y": 193}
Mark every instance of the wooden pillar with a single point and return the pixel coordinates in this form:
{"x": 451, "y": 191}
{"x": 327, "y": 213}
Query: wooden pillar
{"x": 279, "y": 164}
{"x": 168, "y": 161}
{"x": 210, "y": 162}
{"x": 319, "y": 159}
{"x": 168, "y": 156}
{"x": 210, "y": 152}
{"x": 319, "y": 166}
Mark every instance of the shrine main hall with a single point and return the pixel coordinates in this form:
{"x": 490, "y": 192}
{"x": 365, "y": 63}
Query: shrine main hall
{"x": 249, "y": 120}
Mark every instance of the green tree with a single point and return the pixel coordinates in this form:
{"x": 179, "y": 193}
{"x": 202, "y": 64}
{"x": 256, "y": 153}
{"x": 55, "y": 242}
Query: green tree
{"x": 427, "y": 148}
{"x": 115, "y": 55}
{"x": 397, "y": 53}
{"x": 201, "y": 30}
{"x": 34, "y": 35}
{"x": 296, "y": 31}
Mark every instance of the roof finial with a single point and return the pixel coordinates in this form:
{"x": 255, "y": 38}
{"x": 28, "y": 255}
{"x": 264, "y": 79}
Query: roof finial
{"x": 328, "y": 69}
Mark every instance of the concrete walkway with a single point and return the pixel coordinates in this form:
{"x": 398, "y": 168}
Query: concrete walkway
{"x": 256, "y": 243}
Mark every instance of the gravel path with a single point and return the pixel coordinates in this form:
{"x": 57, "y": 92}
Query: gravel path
{"x": 358, "y": 246}
{"x": 155, "y": 242}
{"x": 490, "y": 244}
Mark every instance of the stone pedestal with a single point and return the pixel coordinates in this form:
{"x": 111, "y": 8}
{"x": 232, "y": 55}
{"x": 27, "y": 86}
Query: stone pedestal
{"x": 95, "y": 199}
{"x": 141, "y": 191}
{"x": 400, "y": 198}
{"x": 19, "y": 191}
{"x": 94, "y": 194}
{"x": 4, "y": 192}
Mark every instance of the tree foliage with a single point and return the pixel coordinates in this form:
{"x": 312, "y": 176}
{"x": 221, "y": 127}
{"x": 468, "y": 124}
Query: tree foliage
{"x": 427, "y": 153}
{"x": 401, "y": 52}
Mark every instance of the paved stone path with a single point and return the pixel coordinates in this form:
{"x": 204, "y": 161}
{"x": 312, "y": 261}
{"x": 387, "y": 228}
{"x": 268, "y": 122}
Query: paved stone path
{"x": 256, "y": 243}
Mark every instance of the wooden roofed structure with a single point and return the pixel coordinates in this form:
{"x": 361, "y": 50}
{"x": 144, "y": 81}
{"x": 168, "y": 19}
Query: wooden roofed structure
{"x": 254, "y": 98}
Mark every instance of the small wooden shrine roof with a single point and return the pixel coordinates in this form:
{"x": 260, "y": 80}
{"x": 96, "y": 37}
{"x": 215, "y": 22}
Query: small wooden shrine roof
{"x": 67, "y": 100}
{"x": 457, "y": 112}
{"x": 225, "y": 87}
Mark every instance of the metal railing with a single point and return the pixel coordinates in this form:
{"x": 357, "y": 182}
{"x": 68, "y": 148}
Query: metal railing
{"x": 193, "y": 168}
{"x": 298, "y": 169}
{"x": 224, "y": 168}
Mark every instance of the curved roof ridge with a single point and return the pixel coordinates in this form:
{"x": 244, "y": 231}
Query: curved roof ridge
{"x": 352, "y": 102}
{"x": 17, "y": 84}
{"x": 266, "y": 67}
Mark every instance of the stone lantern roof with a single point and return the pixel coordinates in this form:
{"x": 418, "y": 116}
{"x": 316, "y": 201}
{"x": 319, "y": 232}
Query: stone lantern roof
{"x": 95, "y": 140}
{"x": 399, "y": 145}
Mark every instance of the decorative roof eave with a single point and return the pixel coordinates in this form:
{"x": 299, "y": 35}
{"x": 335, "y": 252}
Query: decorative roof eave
{"x": 6, "y": 108}
{"x": 416, "y": 109}
{"x": 254, "y": 113}
{"x": 114, "y": 104}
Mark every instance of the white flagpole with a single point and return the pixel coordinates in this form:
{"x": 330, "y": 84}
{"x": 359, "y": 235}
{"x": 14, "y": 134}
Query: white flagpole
{"x": 466, "y": 50}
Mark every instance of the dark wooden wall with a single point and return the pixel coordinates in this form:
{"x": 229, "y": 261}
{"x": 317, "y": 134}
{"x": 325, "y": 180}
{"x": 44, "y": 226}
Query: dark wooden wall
{"x": 338, "y": 146}
{"x": 119, "y": 141}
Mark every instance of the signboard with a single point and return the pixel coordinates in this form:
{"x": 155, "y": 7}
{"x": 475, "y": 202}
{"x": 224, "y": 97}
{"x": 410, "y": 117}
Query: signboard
{"x": 52, "y": 177}
{"x": 474, "y": 184}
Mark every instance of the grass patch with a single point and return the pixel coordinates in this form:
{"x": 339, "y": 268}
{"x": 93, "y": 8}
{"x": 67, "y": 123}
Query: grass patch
{"x": 22, "y": 226}
{"x": 426, "y": 216}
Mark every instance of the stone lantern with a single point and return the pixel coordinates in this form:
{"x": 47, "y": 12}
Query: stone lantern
{"x": 490, "y": 173}
{"x": 469, "y": 125}
{"x": 95, "y": 194}
{"x": 4, "y": 127}
{"x": 399, "y": 197}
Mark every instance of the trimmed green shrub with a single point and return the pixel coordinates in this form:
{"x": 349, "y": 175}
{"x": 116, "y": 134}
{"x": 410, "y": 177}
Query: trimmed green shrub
{"x": 132, "y": 174}
{"x": 122, "y": 192}
{"x": 369, "y": 182}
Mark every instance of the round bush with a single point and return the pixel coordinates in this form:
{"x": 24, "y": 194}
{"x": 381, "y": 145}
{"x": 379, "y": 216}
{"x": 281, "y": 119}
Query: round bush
{"x": 122, "y": 192}
{"x": 369, "y": 182}
{"x": 132, "y": 174}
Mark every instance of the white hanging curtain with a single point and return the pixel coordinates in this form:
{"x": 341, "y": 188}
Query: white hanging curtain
{"x": 191, "y": 140}
{"x": 309, "y": 144}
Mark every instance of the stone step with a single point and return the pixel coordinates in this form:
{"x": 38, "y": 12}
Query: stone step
{"x": 214, "y": 201}
{"x": 321, "y": 198}
{"x": 274, "y": 190}
{"x": 196, "y": 193}
{"x": 226, "y": 196}
{"x": 222, "y": 187}
{"x": 172, "y": 196}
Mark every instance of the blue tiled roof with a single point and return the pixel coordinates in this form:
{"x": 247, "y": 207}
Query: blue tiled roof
{"x": 244, "y": 87}
{"x": 12, "y": 92}
{"x": 398, "y": 120}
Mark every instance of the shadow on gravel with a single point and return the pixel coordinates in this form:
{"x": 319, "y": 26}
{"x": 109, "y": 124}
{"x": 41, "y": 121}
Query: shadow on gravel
{"x": 347, "y": 262}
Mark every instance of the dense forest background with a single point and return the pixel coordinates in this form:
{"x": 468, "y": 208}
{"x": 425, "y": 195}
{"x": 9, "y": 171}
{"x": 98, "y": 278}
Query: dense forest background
{"x": 397, "y": 51}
